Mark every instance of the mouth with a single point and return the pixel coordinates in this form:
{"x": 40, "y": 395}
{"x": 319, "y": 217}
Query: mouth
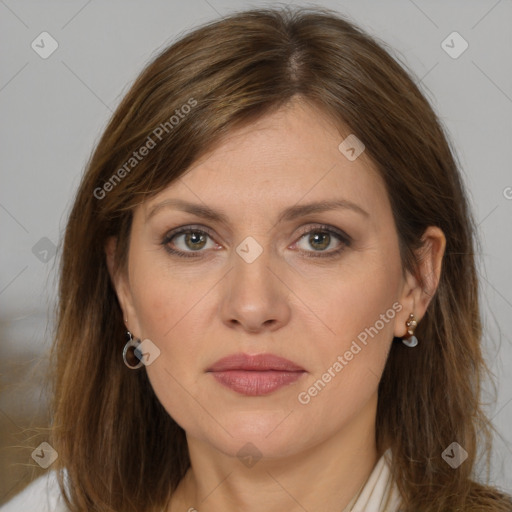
{"x": 255, "y": 375}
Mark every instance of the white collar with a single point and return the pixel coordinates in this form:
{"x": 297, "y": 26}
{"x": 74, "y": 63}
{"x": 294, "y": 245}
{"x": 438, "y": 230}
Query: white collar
{"x": 380, "y": 493}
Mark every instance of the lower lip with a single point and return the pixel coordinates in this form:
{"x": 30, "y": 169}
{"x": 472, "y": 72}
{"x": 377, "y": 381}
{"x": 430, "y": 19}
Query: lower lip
{"x": 256, "y": 383}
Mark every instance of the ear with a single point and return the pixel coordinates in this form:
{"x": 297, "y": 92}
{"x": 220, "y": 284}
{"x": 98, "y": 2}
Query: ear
{"x": 120, "y": 281}
{"x": 414, "y": 298}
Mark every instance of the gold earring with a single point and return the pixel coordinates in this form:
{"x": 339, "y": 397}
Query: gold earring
{"x": 411, "y": 340}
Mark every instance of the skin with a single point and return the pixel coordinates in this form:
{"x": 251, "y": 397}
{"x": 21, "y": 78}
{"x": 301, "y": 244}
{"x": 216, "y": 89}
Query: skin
{"x": 315, "y": 456}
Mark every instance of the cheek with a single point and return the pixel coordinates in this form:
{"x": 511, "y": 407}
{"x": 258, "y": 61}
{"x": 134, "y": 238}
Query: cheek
{"x": 167, "y": 306}
{"x": 174, "y": 310}
{"x": 359, "y": 306}
{"x": 359, "y": 297}
{"x": 164, "y": 297}
{"x": 153, "y": 305}
{"x": 350, "y": 362}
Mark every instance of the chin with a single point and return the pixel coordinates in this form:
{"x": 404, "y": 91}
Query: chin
{"x": 271, "y": 434}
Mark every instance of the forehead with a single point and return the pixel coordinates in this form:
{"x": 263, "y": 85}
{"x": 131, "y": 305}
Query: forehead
{"x": 291, "y": 156}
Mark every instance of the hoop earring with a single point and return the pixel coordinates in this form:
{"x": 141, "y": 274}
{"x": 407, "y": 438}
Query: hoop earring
{"x": 129, "y": 356}
{"x": 411, "y": 340}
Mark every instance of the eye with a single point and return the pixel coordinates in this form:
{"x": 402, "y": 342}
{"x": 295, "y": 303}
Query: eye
{"x": 321, "y": 238}
{"x": 188, "y": 240}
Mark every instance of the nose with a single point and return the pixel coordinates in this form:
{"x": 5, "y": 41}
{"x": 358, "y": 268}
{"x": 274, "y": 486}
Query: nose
{"x": 254, "y": 298}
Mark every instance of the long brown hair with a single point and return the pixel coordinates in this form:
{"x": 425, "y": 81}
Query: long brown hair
{"x": 120, "y": 448}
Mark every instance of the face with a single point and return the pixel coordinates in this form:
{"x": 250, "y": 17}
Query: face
{"x": 321, "y": 288}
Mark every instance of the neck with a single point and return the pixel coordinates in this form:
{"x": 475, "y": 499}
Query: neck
{"x": 326, "y": 476}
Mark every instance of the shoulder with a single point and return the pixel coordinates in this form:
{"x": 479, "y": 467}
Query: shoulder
{"x": 42, "y": 495}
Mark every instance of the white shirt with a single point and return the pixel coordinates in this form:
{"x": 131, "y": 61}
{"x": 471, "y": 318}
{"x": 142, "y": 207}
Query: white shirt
{"x": 43, "y": 494}
{"x": 380, "y": 493}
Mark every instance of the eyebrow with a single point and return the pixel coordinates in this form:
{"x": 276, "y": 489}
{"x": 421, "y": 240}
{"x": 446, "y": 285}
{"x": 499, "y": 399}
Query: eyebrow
{"x": 288, "y": 214}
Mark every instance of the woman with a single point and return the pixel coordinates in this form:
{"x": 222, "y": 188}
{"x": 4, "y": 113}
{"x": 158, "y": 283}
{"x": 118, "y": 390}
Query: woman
{"x": 275, "y": 221}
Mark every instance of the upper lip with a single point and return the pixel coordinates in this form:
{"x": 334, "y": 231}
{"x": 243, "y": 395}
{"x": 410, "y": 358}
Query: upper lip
{"x": 261, "y": 362}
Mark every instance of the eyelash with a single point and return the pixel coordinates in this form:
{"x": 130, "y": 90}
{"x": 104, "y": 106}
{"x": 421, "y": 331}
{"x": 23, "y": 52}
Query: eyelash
{"x": 322, "y": 228}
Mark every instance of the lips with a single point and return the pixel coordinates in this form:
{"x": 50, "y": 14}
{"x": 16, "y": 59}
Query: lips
{"x": 255, "y": 375}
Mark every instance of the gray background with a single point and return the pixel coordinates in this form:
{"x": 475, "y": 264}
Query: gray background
{"x": 53, "y": 111}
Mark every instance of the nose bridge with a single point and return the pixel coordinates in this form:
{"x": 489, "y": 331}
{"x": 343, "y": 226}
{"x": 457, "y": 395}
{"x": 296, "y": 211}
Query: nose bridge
{"x": 253, "y": 296}
{"x": 251, "y": 260}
